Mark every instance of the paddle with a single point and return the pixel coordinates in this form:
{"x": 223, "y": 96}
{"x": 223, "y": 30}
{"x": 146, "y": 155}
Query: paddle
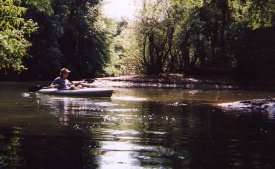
{"x": 34, "y": 89}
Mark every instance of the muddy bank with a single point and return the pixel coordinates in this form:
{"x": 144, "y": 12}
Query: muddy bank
{"x": 257, "y": 105}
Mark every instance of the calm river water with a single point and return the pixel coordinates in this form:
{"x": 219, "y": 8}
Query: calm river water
{"x": 135, "y": 128}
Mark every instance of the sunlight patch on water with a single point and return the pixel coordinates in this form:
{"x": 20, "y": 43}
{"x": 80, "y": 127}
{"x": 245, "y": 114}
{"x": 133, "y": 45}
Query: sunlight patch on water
{"x": 129, "y": 98}
{"x": 124, "y": 146}
{"x": 121, "y": 132}
{"x": 75, "y": 106}
{"x": 123, "y": 110}
{"x": 156, "y": 132}
{"x": 126, "y": 154}
{"x": 26, "y": 95}
{"x": 118, "y": 118}
{"x": 178, "y": 104}
{"x": 105, "y": 104}
{"x": 127, "y": 115}
{"x": 112, "y": 118}
{"x": 118, "y": 159}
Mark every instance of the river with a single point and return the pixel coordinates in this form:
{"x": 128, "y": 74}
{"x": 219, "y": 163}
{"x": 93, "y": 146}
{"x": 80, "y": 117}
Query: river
{"x": 135, "y": 128}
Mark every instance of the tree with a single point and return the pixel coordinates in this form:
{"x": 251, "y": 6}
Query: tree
{"x": 74, "y": 36}
{"x": 186, "y": 35}
{"x": 14, "y": 29}
{"x": 156, "y": 27}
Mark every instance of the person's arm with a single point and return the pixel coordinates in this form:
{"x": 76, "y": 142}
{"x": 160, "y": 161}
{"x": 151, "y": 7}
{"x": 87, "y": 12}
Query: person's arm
{"x": 54, "y": 84}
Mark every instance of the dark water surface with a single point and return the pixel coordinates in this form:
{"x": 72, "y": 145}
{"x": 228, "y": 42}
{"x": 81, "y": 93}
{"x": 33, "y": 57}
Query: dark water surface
{"x": 136, "y": 128}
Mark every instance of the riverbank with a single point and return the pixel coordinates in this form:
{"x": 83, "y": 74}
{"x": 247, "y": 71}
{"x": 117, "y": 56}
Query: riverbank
{"x": 181, "y": 81}
{"x": 257, "y": 105}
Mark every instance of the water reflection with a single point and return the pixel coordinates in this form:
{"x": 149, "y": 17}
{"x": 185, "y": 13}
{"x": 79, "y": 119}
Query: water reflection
{"x": 10, "y": 152}
{"x": 156, "y": 134}
{"x": 137, "y": 128}
{"x": 127, "y": 132}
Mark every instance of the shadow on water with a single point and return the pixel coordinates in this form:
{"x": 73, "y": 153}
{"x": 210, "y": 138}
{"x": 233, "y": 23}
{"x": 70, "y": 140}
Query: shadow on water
{"x": 136, "y": 128}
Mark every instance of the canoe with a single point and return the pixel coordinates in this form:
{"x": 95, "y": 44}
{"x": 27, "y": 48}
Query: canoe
{"x": 87, "y": 92}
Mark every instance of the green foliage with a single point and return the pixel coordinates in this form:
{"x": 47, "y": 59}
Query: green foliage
{"x": 13, "y": 31}
{"x": 70, "y": 34}
{"x": 124, "y": 50}
{"x": 74, "y": 36}
{"x": 164, "y": 33}
{"x": 41, "y": 5}
{"x": 169, "y": 36}
{"x": 184, "y": 35}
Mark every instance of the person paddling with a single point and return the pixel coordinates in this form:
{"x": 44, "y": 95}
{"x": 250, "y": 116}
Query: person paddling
{"x": 62, "y": 83}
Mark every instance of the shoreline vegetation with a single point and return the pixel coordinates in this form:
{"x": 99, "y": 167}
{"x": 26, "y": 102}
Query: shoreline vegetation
{"x": 172, "y": 36}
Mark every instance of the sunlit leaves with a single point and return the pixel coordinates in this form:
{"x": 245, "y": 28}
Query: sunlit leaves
{"x": 180, "y": 35}
{"x": 256, "y": 13}
{"x": 14, "y": 29}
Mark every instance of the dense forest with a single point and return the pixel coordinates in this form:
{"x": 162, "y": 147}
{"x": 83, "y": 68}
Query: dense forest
{"x": 54, "y": 34}
{"x": 38, "y": 37}
{"x": 200, "y": 37}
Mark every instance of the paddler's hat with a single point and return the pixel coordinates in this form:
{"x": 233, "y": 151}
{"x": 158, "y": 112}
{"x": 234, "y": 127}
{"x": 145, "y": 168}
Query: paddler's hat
{"x": 64, "y": 70}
